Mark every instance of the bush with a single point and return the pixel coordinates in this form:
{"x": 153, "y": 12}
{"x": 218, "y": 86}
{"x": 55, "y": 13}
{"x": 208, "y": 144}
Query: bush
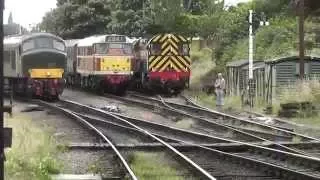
{"x": 204, "y": 54}
{"x": 202, "y": 64}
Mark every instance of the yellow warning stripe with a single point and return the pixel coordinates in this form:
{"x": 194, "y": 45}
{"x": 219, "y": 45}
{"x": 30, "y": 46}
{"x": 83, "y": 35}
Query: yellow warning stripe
{"x": 188, "y": 59}
{"x": 151, "y": 58}
{"x": 156, "y": 38}
{"x": 164, "y": 38}
{"x": 169, "y": 48}
{"x": 175, "y": 39}
{"x": 171, "y": 65}
{"x": 165, "y": 66}
{"x": 154, "y": 62}
{"x": 164, "y": 44}
{"x": 173, "y": 43}
{"x": 166, "y": 51}
{"x": 175, "y": 67}
{"x": 182, "y": 38}
{"x": 181, "y": 67}
{"x": 183, "y": 60}
{"x": 158, "y": 66}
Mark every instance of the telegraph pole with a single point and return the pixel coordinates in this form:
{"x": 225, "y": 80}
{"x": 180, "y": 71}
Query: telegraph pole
{"x": 301, "y": 38}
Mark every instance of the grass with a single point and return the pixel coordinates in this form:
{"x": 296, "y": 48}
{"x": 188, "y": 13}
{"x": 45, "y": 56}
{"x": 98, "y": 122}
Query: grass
{"x": 310, "y": 121}
{"x": 33, "y": 152}
{"x": 153, "y": 166}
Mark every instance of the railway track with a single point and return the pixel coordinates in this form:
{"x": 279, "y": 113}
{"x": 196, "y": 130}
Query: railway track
{"x": 272, "y": 163}
{"x": 135, "y": 135}
{"x": 276, "y": 122}
{"x": 203, "y": 124}
{"x": 262, "y": 130}
{"x": 221, "y": 130}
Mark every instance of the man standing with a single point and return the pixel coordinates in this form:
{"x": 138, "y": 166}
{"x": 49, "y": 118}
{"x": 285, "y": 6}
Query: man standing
{"x": 219, "y": 89}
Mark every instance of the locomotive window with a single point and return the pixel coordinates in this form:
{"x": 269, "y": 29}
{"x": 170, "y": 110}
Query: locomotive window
{"x": 115, "y": 46}
{"x": 89, "y": 51}
{"x": 27, "y": 45}
{"x": 58, "y": 45}
{"x": 13, "y": 59}
{"x": 101, "y": 48}
{"x": 44, "y": 43}
{"x": 115, "y": 39}
{"x": 127, "y": 48}
{"x": 6, "y": 55}
{"x": 184, "y": 49}
{"x": 155, "y": 49}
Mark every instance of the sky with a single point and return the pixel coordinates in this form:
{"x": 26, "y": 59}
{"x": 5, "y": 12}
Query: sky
{"x": 28, "y": 12}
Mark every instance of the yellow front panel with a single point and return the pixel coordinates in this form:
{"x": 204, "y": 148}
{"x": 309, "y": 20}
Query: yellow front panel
{"x": 46, "y": 73}
{"x": 116, "y": 63}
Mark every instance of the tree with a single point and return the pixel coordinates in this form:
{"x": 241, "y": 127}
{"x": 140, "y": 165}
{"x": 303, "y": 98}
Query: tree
{"x": 130, "y": 18}
{"x": 78, "y": 18}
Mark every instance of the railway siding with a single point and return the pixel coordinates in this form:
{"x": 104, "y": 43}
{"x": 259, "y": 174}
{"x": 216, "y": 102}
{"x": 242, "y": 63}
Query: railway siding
{"x": 266, "y": 157}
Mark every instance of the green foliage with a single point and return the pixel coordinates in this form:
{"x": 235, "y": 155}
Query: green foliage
{"x": 76, "y": 19}
{"x": 153, "y": 166}
{"x": 33, "y": 152}
{"x": 278, "y": 39}
{"x": 202, "y": 64}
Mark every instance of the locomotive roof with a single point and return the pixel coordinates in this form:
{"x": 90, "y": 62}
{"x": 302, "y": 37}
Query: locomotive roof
{"x": 32, "y": 35}
{"x": 12, "y": 41}
{"x": 89, "y": 41}
{"x": 16, "y": 40}
{"x": 71, "y": 42}
{"x": 159, "y": 36}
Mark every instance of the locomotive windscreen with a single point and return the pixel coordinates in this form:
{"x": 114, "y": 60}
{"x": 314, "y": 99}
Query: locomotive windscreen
{"x": 113, "y": 48}
{"x": 43, "y": 60}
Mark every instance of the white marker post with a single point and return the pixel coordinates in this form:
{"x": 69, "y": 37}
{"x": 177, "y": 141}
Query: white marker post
{"x": 250, "y": 80}
{"x": 250, "y": 46}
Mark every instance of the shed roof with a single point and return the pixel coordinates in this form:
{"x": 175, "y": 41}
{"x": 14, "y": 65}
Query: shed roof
{"x": 256, "y": 65}
{"x": 240, "y": 63}
{"x": 292, "y": 58}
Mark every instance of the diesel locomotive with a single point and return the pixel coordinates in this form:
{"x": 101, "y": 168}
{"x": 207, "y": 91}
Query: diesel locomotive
{"x": 162, "y": 63}
{"x": 100, "y": 62}
{"x": 35, "y": 64}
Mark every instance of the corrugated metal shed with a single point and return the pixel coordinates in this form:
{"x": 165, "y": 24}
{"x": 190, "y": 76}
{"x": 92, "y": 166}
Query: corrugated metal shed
{"x": 290, "y": 58}
{"x": 240, "y": 63}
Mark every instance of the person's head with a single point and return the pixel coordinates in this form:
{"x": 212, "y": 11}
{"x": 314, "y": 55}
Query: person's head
{"x": 219, "y": 75}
